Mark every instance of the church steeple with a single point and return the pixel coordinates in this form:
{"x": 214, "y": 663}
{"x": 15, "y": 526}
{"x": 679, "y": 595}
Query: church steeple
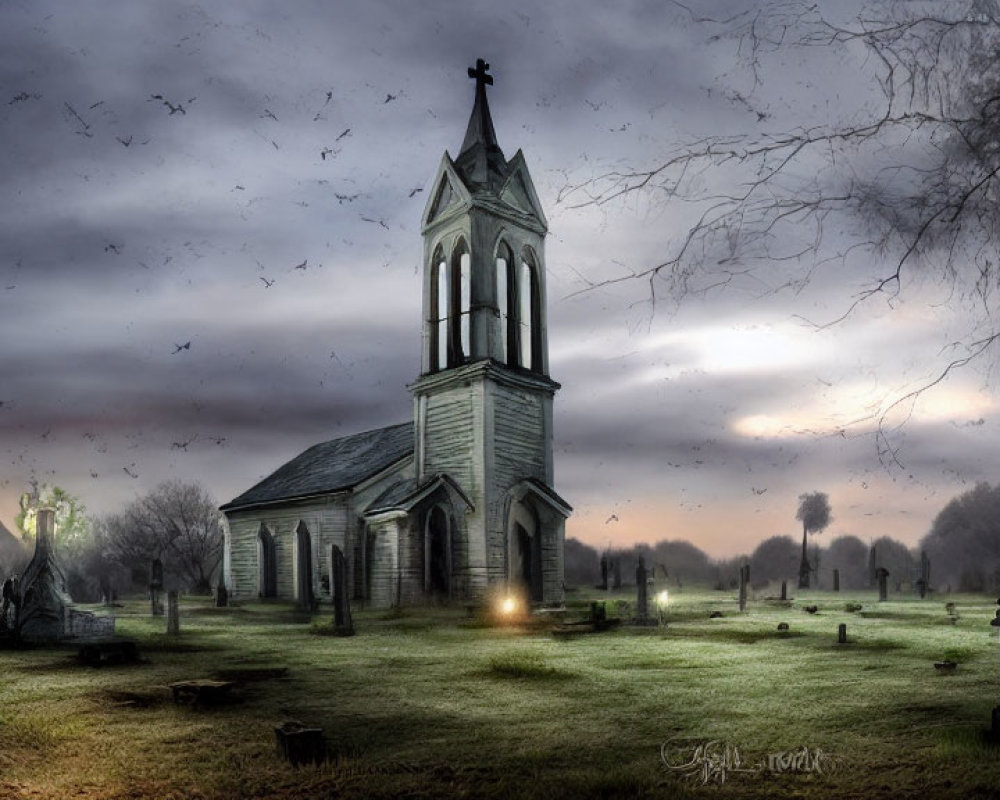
{"x": 481, "y": 161}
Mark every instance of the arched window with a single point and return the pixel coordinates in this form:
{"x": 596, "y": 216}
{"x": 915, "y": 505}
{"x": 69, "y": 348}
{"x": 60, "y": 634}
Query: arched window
{"x": 507, "y": 305}
{"x": 438, "y": 312}
{"x": 267, "y": 568}
{"x": 304, "y": 584}
{"x": 459, "y": 305}
{"x": 530, "y": 312}
{"x": 437, "y": 553}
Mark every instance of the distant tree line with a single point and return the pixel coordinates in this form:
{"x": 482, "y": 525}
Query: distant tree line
{"x": 963, "y": 548}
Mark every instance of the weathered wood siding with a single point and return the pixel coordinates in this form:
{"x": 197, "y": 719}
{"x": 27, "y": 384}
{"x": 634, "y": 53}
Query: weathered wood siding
{"x": 453, "y": 443}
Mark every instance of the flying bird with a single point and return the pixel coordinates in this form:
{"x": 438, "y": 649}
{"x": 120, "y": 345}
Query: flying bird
{"x": 389, "y": 98}
{"x": 348, "y": 198}
{"x": 326, "y": 151}
{"x": 268, "y": 113}
{"x": 179, "y": 347}
{"x": 758, "y": 491}
{"x": 329, "y": 97}
{"x": 302, "y": 265}
{"x": 124, "y": 142}
{"x": 347, "y": 132}
{"x": 414, "y": 191}
{"x": 267, "y": 284}
{"x": 130, "y": 472}
{"x": 612, "y": 518}
{"x": 379, "y": 221}
{"x": 111, "y": 247}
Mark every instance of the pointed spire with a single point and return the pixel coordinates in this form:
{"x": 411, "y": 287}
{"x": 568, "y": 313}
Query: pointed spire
{"x": 481, "y": 161}
{"x": 480, "y": 130}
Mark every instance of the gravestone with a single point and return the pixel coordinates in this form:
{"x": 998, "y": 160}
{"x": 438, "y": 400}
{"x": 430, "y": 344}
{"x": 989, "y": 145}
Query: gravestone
{"x": 924, "y": 581}
{"x": 617, "y": 572}
{"x": 300, "y": 744}
{"x": 744, "y": 580}
{"x": 784, "y": 590}
{"x": 783, "y": 626}
{"x": 155, "y": 587}
{"x": 642, "y": 589}
{"x": 604, "y": 572}
{"x": 882, "y": 575}
{"x": 343, "y": 623}
{"x": 221, "y": 595}
{"x": 836, "y": 580}
{"x": 173, "y": 614}
{"x": 842, "y": 633}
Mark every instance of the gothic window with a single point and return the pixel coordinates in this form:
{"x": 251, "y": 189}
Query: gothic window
{"x": 507, "y": 305}
{"x": 459, "y": 305}
{"x": 438, "y": 313}
{"x": 529, "y": 313}
{"x": 437, "y": 553}
{"x": 267, "y": 570}
{"x": 303, "y": 547}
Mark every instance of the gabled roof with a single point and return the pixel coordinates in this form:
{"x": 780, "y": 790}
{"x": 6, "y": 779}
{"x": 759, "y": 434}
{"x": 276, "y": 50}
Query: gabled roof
{"x": 405, "y": 494}
{"x": 331, "y": 466}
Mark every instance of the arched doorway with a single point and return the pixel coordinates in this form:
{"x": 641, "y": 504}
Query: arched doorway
{"x": 303, "y": 548}
{"x": 267, "y": 566}
{"x": 437, "y": 554}
{"x": 525, "y": 566}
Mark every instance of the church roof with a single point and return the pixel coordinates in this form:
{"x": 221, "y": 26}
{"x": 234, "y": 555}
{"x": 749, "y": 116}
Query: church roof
{"x": 331, "y": 466}
{"x": 481, "y": 162}
{"x": 405, "y": 494}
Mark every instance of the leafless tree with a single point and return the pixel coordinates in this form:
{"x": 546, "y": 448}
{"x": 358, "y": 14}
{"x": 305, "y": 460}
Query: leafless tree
{"x": 906, "y": 180}
{"x": 176, "y": 522}
{"x": 814, "y": 514}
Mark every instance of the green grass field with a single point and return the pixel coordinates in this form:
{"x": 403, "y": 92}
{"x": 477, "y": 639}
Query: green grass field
{"x": 431, "y": 703}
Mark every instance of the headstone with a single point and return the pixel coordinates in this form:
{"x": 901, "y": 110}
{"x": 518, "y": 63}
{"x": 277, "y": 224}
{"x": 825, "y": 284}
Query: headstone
{"x": 836, "y": 580}
{"x": 924, "y": 582}
{"x": 221, "y": 595}
{"x": 641, "y": 588}
{"x": 882, "y": 575}
{"x": 842, "y": 633}
{"x": 173, "y": 614}
{"x": 598, "y": 612}
{"x": 782, "y": 626}
{"x": 744, "y": 580}
{"x": 300, "y": 744}
{"x": 784, "y": 590}
{"x": 155, "y": 587}
{"x": 604, "y": 572}
{"x": 617, "y": 584}
{"x": 343, "y": 623}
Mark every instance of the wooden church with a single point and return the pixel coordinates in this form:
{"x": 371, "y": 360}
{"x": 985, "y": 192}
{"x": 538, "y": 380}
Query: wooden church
{"x": 459, "y": 502}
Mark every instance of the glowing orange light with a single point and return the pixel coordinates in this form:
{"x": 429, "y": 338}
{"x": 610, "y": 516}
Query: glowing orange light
{"x": 509, "y": 605}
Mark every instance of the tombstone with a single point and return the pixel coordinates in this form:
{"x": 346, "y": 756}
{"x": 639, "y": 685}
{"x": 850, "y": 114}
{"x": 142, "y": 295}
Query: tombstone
{"x": 836, "y": 580}
{"x": 924, "y": 581}
{"x": 784, "y": 590}
{"x": 300, "y": 744}
{"x": 882, "y": 575}
{"x": 343, "y": 623}
{"x": 604, "y": 572}
{"x": 642, "y": 589}
{"x": 155, "y": 587}
{"x": 782, "y": 626}
{"x": 617, "y": 574}
{"x": 842, "y": 633}
{"x": 221, "y": 595}
{"x": 173, "y": 614}
{"x": 598, "y": 612}
{"x": 744, "y": 580}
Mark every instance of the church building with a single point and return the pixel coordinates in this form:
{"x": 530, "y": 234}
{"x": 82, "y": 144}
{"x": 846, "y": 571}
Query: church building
{"x": 460, "y": 501}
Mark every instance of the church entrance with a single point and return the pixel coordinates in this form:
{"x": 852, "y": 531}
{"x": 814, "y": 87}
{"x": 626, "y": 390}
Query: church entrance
{"x": 437, "y": 554}
{"x": 267, "y": 567}
{"x": 527, "y": 561}
{"x": 303, "y": 547}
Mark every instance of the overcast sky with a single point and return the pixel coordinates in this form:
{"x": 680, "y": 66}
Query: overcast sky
{"x": 166, "y": 168}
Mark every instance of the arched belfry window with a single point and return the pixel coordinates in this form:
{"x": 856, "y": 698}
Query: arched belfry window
{"x": 438, "y": 312}
{"x": 460, "y": 305}
{"x": 530, "y": 312}
{"x": 507, "y": 304}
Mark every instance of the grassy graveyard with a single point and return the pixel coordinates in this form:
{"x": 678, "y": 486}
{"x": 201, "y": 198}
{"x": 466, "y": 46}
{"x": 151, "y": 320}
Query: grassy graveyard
{"x": 434, "y": 703}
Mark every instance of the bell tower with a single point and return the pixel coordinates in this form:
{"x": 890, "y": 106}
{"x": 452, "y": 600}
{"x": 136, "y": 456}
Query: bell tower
{"x": 483, "y": 401}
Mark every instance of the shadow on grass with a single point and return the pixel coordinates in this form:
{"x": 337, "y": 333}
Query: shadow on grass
{"x": 524, "y": 666}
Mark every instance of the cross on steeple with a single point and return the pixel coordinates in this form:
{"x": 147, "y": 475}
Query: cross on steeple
{"x": 479, "y": 73}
